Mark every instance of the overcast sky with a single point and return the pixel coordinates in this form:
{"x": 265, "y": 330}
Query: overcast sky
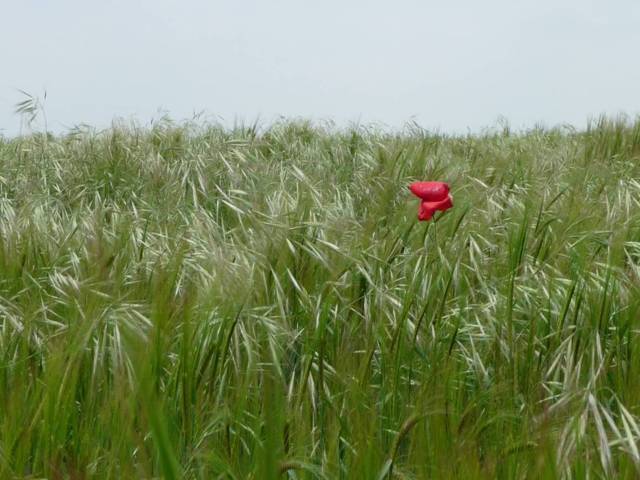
{"x": 448, "y": 65}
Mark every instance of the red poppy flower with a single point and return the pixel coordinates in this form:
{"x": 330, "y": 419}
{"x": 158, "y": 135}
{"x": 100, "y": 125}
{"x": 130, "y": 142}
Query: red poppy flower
{"x": 434, "y": 196}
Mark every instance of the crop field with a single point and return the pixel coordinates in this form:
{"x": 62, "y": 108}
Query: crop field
{"x": 198, "y": 302}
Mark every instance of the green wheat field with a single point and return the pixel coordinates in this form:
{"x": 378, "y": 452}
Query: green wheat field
{"x": 190, "y": 301}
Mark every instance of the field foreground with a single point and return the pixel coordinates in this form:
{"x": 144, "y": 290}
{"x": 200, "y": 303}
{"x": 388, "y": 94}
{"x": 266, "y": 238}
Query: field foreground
{"x": 194, "y": 302}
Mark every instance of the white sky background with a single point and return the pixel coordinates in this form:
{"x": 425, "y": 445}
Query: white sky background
{"x": 448, "y": 65}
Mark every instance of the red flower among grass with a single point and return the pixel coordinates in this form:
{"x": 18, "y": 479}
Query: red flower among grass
{"x": 433, "y": 196}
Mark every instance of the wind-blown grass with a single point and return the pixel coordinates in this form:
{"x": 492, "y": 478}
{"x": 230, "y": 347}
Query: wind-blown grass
{"x": 195, "y": 302}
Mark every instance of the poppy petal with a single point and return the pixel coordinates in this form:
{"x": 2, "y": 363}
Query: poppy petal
{"x": 427, "y": 209}
{"x": 430, "y": 191}
{"x": 443, "y": 205}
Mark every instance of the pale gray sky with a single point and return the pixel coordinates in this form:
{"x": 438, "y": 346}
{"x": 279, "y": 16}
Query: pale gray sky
{"x": 450, "y": 65}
